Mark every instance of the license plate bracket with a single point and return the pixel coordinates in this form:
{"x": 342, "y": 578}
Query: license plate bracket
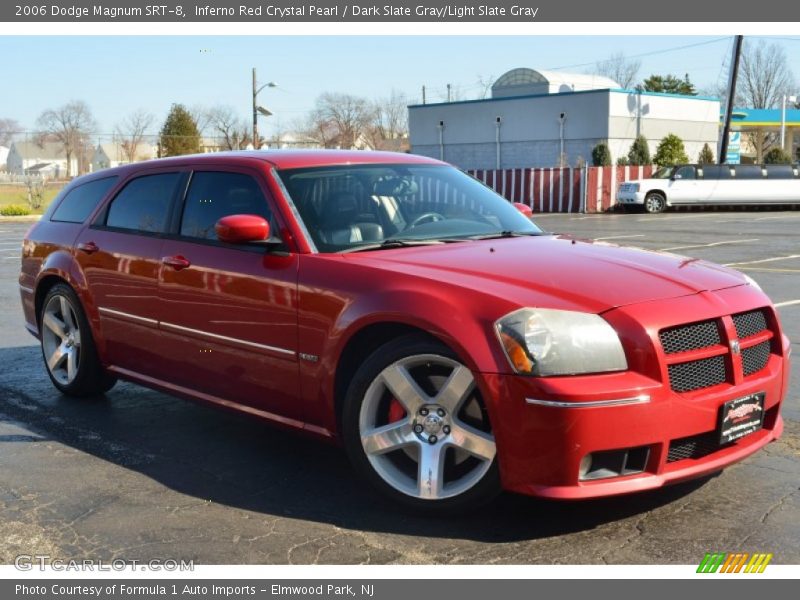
{"x": 741, "y": 417}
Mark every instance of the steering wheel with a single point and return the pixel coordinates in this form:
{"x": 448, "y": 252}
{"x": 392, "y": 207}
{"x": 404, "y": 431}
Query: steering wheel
{"x": 431, "y": 216}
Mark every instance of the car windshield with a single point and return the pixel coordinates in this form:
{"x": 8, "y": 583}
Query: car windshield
{"x": 348, "y": 207}
{"x": 663, "y": 173}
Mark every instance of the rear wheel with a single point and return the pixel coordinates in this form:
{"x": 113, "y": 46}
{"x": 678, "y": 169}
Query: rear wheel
{"x": 655, "y": 202}
{"x": 68, "y": 348}
{"x": 416, "y": 427}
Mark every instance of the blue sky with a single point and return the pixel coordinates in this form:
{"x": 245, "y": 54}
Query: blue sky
{"x": 117, "y": 75}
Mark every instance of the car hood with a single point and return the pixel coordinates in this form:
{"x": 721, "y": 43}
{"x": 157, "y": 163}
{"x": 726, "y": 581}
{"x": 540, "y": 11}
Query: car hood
{"x": 558, "y": 271}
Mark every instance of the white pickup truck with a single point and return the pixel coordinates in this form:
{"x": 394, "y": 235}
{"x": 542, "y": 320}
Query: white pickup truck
{"x": 712, "y": 185}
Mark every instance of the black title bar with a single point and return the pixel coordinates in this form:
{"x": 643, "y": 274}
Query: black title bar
{"x": 329, "y": 11}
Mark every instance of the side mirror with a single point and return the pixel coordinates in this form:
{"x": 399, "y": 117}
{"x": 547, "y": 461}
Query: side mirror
{"x": 240, "y": 229}
{"x": 524, "y": 209}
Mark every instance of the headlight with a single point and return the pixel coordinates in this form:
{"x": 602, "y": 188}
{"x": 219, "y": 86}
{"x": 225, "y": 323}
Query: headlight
{"x": 541, "y": 341}
{"x": 633, "y": 187}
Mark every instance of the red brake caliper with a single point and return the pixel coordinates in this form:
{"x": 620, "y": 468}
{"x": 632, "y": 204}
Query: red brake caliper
{"x": 396, "y": 411}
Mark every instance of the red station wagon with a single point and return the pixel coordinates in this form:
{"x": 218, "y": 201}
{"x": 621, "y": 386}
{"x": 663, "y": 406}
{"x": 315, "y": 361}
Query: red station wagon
{"x": 393, "y": 304}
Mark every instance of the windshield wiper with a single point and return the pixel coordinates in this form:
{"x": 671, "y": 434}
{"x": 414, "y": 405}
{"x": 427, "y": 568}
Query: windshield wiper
{"x": 392, "y": 243}
{"x": 503, "y": 234}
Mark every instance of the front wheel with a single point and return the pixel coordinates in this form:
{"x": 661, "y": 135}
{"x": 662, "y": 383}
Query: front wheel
{"x": 68, "y": 348}
{"x": 655, "y": 203}
{"x": 416, "y": 427}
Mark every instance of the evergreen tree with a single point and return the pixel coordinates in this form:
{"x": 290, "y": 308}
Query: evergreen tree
{"x": 777, "y": 156}
{"x": 639, "y": 154}
{"x": 179, "y": 134}
{"x": 706, "y": 156}
{"x": 669, "y": 85}
{"x": 601, "y": 155}
{"x": 670, "y": 151}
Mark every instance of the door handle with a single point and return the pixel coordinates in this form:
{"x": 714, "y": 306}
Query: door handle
{"x": 88, "y": 247}
{"x": 176, "y": 262}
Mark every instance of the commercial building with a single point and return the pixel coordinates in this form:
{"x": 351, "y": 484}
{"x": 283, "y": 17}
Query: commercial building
{"x": 541, "y": 118}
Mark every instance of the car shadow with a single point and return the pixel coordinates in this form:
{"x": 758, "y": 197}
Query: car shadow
{"x": 243, "y": 463}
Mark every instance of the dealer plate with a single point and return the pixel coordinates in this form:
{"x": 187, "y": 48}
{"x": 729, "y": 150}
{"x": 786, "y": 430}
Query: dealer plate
{"x": 741, "y": 417}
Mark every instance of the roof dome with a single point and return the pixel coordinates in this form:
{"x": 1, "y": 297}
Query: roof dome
{"x": 524, "y": 82}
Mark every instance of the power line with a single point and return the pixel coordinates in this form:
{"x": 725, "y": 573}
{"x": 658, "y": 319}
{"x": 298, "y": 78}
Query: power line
{"x": 644, "y": 54}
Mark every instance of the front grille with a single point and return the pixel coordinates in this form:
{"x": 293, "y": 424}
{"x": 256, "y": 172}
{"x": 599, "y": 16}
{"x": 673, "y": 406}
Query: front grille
{"x": 755, "y": 358}
{"x": 695, "y": 446}
{"x": 749, "y": 323}
{"x": 690, "y": 337}
{"x": 686, "y": 377}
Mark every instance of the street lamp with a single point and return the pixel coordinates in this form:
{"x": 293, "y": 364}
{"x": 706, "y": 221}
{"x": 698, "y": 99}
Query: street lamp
{"x": 791, "y": 99}
{"x": 259, "y": 109}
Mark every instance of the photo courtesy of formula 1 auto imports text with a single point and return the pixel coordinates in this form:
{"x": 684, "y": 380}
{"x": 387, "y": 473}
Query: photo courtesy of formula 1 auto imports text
{"x": 348, "y": 300}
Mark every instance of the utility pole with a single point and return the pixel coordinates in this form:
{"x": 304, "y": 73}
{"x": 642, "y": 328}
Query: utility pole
{"x": 255, "y": 112}
{"x": 448, "y": 92}
{"x": 258, "y": 109}
{"x": 423, "y": 94}
{"x": 737, "y": 53}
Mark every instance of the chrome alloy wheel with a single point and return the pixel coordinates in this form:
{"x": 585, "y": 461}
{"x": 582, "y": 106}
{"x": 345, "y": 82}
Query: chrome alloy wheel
{"x": 424, "y": 429}
{"x": 655, "y": 203}
{"x": 61, "y": 339}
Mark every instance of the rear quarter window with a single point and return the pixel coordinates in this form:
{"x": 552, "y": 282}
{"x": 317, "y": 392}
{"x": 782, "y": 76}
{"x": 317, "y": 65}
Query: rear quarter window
{"x": 81, "y": 201}
{"x": 780, "y": 172}
{"x": 144, "y": 203}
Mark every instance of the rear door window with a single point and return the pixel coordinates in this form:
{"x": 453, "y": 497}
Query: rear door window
{"x": 144, "y": 203}
{"x": 716, "y": 172}
{"x": 80, "y": 201}
{"x": 748, "y": 172}
{"x": 216, "y": 194}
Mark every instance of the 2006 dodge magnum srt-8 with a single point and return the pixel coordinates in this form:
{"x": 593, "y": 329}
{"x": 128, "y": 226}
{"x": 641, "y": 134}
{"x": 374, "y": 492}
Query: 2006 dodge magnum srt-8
{"x": 393, "y": 304}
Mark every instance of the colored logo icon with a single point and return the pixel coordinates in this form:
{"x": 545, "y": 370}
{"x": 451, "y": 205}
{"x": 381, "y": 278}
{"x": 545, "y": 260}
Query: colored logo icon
{"x": 734, "y": 562}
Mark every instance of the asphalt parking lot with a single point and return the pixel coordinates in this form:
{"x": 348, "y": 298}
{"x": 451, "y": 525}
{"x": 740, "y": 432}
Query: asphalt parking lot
{"x": 141, "y": 475}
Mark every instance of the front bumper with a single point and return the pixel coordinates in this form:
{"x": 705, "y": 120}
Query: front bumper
{"x": 626, "y": 197}
{"x": 540, "y": 445}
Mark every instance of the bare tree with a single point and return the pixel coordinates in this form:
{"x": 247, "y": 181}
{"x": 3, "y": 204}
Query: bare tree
{"x": 232, "y": 130}
{"x": 202, "y": 117}
{"x": 131, "y": 132}
{"x": 389, "y": 126}
{"x": 339, "y": 120}
{"x": 485, "y": 83}
{"x": 70, "y": 125}
{"x": 8, "y": 128}
{"x": 764, "y": 78}
{"x": 623, "y": 70}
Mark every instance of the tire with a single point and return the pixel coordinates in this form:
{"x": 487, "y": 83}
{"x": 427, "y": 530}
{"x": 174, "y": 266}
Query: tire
{"x": 655, "y": 202}
{"x": 413, "y": 405}
{"x": 68, "y": 348}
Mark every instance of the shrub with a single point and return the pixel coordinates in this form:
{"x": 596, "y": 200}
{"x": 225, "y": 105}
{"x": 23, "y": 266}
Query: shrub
{"x": 639, "y": 154}
{"x": 623, "y": 161}
{"x": 670, "y": 151}
{"x": 777, "y": 156}
{"x": 706, "y": 156}
{"x": 14, "y": 210}
{"x": 601, "y": 155}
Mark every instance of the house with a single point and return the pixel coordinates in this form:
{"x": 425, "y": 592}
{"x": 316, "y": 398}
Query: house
{"x": 291, "y": 140}
{"x": 113, "y": 155}
{"x": 211, "y": 144}
{"x": 47, "y": 159}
